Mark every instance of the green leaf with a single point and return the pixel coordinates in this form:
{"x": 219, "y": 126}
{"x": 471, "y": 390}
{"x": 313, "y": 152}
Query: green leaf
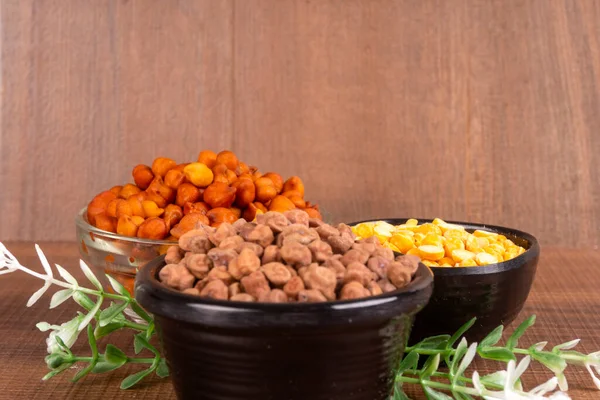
{"x": 492, "y": 338}
{"x": 118, "y": 287}
{"x": 435, "y": 395}
{"x": 430, "y": 366}
{"x": 140, "y": 342}
{"x": 433, "y": 342}
{"x": 460, "y": 332}
{"x": 461, "y": 350}
{"x": 102, "y": 331}
{"x": 513, "y": 340}
{"x": 399, "y": 394}
{"x": 60, "y": 297}
{"x": 57, "y": 371}
{"x": 461, "y": 396}
{"x": 94, "y": 348}
{"x": 162, "y": 370}
{"x": 552, "y": 361}
{"x": 497, "y": 354}
{"x": 91, "y": 314}
{"x": 108, "y": 314}
{"x": 497, "y": 378}
{"x": 409, "y": 361}
{"x": 135, "y": 307}
{"x": 465, "y": 362}
{"x": 114, "y": 355}
{"x": 132, "y": 380}
{"x": 90, "y": 275}
{"x": 83, "y": 300}
{"x": 104, "y": 366}
{"x": 62, "y": 344}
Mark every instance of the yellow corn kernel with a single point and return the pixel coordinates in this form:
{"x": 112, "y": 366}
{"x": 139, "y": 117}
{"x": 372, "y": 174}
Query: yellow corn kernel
{"x": 485, "y": 234}
{"x": 412, "y": 222}
{"x": 391, "y": 246}
{"x": 494, "y": 248}
{"x": 483, "y": 242}
{"x": 137, "y": 220}
{"x": 418, "y": 238}
{"x": 470, "y": 262}
{"x": 510, "y": 254}
{"x": 472, "y": 244}
{"x": 364, "y": 230}
{"x": 383, "y": 231}
{"x": 405, "y": 232}
{"x": 484, "y": 258}
{"x": 453, "y": 244}
{"x": 429, "y": 228}
{"x": 508, "y": 244}
{"x": 433, "y": 239}
{"x": 461, "y": 255}
{"x": 439, "y": 221}
{"x": 402, "y": 242}
{"x": 446, "y": 261}
{"x": 199, "y": 174}
{"x": 501, "y": 238}
{"x": 414, "y": 252}
{"x": 430, "y": 263}
{"x": 521, "y": 250}
{"x": 432, "y": 253}
{"x": 151, "y": 209}
{"x": 455, "y": 234}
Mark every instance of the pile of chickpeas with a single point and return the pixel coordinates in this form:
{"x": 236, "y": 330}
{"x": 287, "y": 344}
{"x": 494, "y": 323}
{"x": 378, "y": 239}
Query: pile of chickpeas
{"x": 441, "y": 244}
{"x": 170, "y": 199}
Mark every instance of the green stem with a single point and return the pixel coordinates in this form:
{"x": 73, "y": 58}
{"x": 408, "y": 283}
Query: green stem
{"x": 444, "y": 375}
{"x": 135, "y": 326}
{"x": 438, "y": 385}
{"x": 132, "y": 360}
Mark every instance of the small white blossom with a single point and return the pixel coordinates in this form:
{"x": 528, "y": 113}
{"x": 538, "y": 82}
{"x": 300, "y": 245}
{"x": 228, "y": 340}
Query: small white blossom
{"x": 68, "y": 332}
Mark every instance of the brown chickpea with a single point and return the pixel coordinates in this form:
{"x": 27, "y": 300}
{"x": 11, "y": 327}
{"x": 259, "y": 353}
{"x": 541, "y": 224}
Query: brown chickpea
{"x": 126, "y": 226}
{"x": 153, "y": 228}
{"x": 218, "y": 215}
{"x": 294, "y": 183}
{"x": 208, "y": 158}
{"x": 128, "y": 190}
{"x": 229, "y": 159}
{"x": 265, "y": 189}
{"x": 174, "y": 178}
{"x": 187, "y": 193}
{"x": 188, "y": 222}
{"x": 245, "y": 192}
{"x": 162, "y": 165}
{"x": 116, "y": 190}
{"x": 158, "y": 186}
{"x": 142, "y": 176}
{"x": 173, "y": 214}
{"x": 281, "y": 204}
{"x": 219, "y": 195}
{"x": 98, "y": 205}
{"x": 277, "y": 180}
{"x": 106, "y": 223}
{"x": 198, "y": 207}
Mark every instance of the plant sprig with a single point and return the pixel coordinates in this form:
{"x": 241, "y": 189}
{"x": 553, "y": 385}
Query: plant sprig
{"x": 96, "y": 320}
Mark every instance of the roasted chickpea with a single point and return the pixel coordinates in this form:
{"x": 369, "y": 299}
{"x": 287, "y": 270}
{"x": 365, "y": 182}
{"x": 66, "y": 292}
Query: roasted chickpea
{"x": 116, "y": 190}
{"x": 158, "y": 186}
{"x": 124, "y": 208}
{"x": 141, "y": 196}
{"x": 313, "y": 212}
{"x": 126, "y": 226}
{"x": 199, "y": 207}
{"x": 199, "y": 174}
{"x": 294, "y": 183}
{"x": 219, "y": 169}
{"x": 245, "y": 192}
{"x": 237, "y": 212}
{"x": 151, "y": 209}
{"x": 265, "y": 189}
{"x": 162, "y": 165}
{"x": 157, "y": 198}
{"x": 173, "y": 215}
{"x": 219, "y": 195}
{"x": 218, "y": 215}
{"x": 98, "y": 205}
{"x": 242, "y": 168}
{"x": 187, "y": 193}
{"x": 221, "y": 178}
{"x": 137, "y": 220}
{"x": 229, "y": 159}
{"x": 174, "y": 178}
{"x": 106, "y": 223}
{"x": 188, "y": 222}
{"x": 208, "y": 158}
{"x": 128, "y": 190}
{"x": 276, "y": 179}
{"x": 112, "y": 210}
{"x": 281, "y": 204}
{"x": 231, "y": 176}
{"x": 142, "y": 176}
{"x": 153, "y": 228}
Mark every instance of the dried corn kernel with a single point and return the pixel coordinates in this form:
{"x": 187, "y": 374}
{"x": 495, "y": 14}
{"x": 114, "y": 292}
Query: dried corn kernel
{"x": 429, "y": 228}
{"x": 472, "y": 244}
{"x": 470, "y": 262}
{"x": 383, "y": 231}
{"x": 403, "y": 242}
{"x": 447, "y": 261}
{"x": 412, "y": 222}
{"x": 485, "y": 234}
{"x": 432, "y": 239}
{"x": 430, "y": 263}
{"x": 390, "y": 245}
{"x": 429, "y": 252}
{"x": 418, "y": 238}
{"x": 453, "y": 244}
{"x": 461, "y": 255}
{"x": 364, "y": 230}
{"x": 484, "y": 258}
{"x": 414, "y": 252}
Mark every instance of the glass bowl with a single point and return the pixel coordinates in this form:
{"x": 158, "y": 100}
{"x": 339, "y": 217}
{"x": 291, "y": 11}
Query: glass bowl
{"x": 116, "y": 255}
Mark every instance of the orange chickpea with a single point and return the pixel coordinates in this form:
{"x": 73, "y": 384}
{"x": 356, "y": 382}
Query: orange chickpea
{"x": 199, "y": 207}
{"x": 128, "y": 190}
{"x": 142, "y": 176}
{"x": 281, "y": 204}
{"x": 277, "y": 180}
{"x": 106, "y": 223}
{"x": 136, "y": 207}
{"x": 151, "y": 209}
{"x": 229, "y": 159}
{"x": 265, "y": 189}
{"x": 237, "y": 212}
{"x": 189, "y": 222}
{"x": 253, "y": 208}
{"x": 174, "y": 178}
{"x": 98, "y": 205}
{"x": 242, "y": 169}
{"x": 256, "y": 175}
{"x": 208, "y": 158}
{"x": 218, "y": 215}
{"x": 231, "y": 176}
{"x": 313, "y": 212}
{"x": 153, "y": 228}
{"x": 219, "y": 194}
{"x": 245, "y": 192}
{"x": 298, "y": 201}
{"x": 126, "y": 226}
{"x": 162, "y": 165}
{"x": 158, "y": 199}
{"x": 221, "y": 178}
{"x": 141, "y": 196}
{"x": 138, "y": 220}
{"x": 219, "y": 169}
{"x": 116, "y": 190}
{"x": 158, "y": 186}
{"x": 246, "y": 176}
{"x": 111, "y": 208}
{"x": 124, "y": 208}
{"x": 187, "y": 193}
{"x": 173, "y": 215}
{"x": 294, "y": 183}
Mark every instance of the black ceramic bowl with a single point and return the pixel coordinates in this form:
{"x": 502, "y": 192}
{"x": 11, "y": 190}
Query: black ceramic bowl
{"x": 224, "y": 350}
{"x": 494, "y": 293}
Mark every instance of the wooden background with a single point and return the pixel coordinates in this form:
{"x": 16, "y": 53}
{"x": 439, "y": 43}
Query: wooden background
{"x": 480, "y": 110}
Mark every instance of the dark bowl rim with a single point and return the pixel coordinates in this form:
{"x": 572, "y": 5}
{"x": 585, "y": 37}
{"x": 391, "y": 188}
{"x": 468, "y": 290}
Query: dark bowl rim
{"x": 532, "y": 251}
{"x": 148, "y": 276}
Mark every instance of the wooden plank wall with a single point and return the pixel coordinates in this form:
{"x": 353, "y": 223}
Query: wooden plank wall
{"x": 479, "y": 110}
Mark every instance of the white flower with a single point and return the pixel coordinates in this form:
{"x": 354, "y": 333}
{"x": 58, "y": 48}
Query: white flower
{"x": 68, "y": 333}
